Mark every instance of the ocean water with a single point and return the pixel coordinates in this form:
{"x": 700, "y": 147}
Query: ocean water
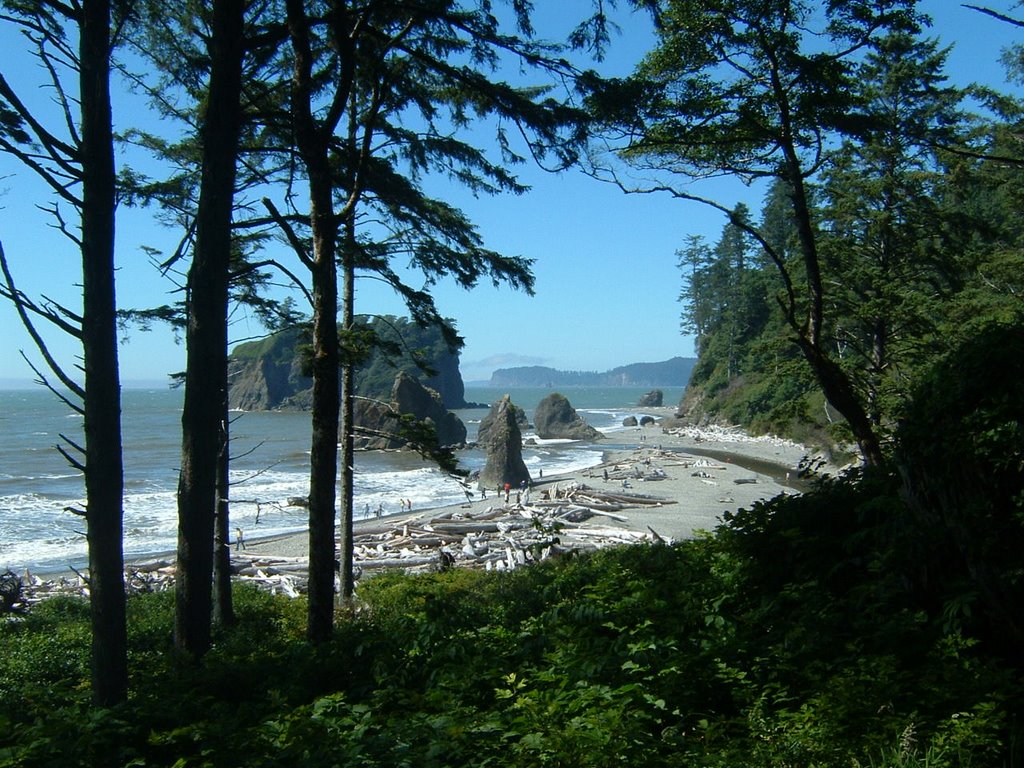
{"x": 270, "y": 464}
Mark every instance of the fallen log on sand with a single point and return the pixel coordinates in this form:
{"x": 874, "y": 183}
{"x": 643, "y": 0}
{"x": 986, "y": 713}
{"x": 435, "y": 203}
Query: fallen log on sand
{"x": 503, "y": 537}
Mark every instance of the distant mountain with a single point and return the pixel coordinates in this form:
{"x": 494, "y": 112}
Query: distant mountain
{"x": 670, "y": 373}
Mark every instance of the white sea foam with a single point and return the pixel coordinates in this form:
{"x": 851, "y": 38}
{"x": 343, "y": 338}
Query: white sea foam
{"x": 36, "y": 487}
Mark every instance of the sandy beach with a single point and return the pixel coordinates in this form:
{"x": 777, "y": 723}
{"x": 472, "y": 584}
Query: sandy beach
{"x": 654, "y": 484}
{"x": 701, "y": 473}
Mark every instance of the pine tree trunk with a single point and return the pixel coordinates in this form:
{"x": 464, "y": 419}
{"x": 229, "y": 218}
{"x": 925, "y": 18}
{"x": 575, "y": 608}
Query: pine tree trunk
{"x": 223, "y": 606}
{"x": 312, "y": 142}
{"x": 348, "y": 418}
{"x": 835, "y": 384}
{"x": 104, "y": 476}
{"x": 323, "y": 470}
{"x": 206, "y": 334}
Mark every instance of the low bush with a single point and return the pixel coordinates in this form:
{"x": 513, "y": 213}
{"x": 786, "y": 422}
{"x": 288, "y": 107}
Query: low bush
{"x": 794, "y": 635}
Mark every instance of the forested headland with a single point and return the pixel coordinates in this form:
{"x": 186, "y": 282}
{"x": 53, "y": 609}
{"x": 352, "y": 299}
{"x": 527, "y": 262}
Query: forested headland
{"x": 872, "y": 303}
{"x": 667, "y": 373}
{"x": 275, "y": 372}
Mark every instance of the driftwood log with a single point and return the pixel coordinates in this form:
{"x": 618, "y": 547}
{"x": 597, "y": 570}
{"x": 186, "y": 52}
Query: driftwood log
{"x": 502, "y": 537}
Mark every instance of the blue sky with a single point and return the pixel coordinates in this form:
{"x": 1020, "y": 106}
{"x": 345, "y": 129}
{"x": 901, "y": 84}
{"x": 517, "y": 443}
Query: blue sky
{"x": 605, "y": 263}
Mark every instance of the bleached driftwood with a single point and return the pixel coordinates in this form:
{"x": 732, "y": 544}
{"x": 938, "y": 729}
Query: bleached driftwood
{"x": 503, "y": 537}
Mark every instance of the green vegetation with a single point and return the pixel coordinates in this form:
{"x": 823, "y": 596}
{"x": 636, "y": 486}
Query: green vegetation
{"x": 913, "y": 221}
{"x": 830, "y": 629}
{"x": 789, "y": 638}
{"x": 871, "y": 622}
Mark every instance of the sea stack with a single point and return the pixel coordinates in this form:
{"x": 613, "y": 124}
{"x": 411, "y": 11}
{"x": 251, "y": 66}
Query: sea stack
{"x": 652, "y": 399}
{"x": 556, "y": 419}
{"x": 483, "y": 431}
{"x": 504, "y": 446}
{"x": 379, "y": 424}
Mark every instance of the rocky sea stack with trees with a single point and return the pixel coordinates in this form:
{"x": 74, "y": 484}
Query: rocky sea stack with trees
{"x": 274, "y": 373}
{"x": 871, "y": 303}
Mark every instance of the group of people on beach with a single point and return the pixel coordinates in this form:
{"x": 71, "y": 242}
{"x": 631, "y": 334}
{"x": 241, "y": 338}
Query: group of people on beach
{"x": 406, "y": 505}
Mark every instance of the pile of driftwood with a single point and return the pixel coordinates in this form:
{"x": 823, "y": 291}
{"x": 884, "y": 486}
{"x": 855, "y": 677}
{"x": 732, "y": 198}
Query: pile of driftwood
{"x": 551, "y": 522}
{"x": 503, "y": 537}
{"x": 648, "y": 465}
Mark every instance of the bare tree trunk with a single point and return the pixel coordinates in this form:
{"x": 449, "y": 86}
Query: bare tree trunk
{"x": 323, "y": 470}
{"x": 348, "y": 416}
{"x": 835, "y": 384}
{"x": 223, "y": 605}
{"x": 312, "y": 141}
{"x": 206, "y": 334}
{"x": 104, "y": 476}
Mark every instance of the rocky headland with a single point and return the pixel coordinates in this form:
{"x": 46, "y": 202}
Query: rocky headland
{"x": 272, "y": 374}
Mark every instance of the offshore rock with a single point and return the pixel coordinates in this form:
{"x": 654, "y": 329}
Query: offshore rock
{"x": 488, "y": 421}
{"x": 652, "y": 399}
{"x": 504, "y": 448}
{"x": 378, "y": 424}
{"x": 273, "y": 373}
{"x": 555, "y": 418}
{"x": 629, "y": 421}
{"x": 273, "y": 379}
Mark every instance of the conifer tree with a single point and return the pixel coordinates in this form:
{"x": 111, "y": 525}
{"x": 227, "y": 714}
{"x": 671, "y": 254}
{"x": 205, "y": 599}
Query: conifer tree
{"x": 888, "y": 245}
{"x": 74, "y": 156}
{"x": 204, "y": 427}
{"x": 207, "y": 58}
{"x": 757, "y": 90}
{"x": 372, "y": 114}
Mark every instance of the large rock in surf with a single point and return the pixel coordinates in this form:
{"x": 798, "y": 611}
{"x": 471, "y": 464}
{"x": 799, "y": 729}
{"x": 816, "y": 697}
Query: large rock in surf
{"x": 555, "y": 418}
{"x": 504, "y": 447}
{"x": 652, "y": 399}
{"x": 381, "y": 421}
{"x": 488, "y": 421}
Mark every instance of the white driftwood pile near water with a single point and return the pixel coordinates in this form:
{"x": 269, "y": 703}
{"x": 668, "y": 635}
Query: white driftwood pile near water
{"x": 546, "y": 524}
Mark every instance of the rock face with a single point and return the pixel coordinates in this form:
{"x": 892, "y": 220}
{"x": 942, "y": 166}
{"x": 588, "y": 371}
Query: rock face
{"x": 488, "y": 421}
{"x": 271, "y": 374}
{"x": 555, "y": 418}
{"x": 652, "y": 399}
{"x": 504, "y": 448}
{"x": 271, "y": 379}
{"x": 408, "y": 396}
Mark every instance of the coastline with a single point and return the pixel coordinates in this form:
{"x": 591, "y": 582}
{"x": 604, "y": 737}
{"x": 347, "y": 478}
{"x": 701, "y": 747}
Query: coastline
{"x": 740, "y": 471}
{"x": 668, "y": 484}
